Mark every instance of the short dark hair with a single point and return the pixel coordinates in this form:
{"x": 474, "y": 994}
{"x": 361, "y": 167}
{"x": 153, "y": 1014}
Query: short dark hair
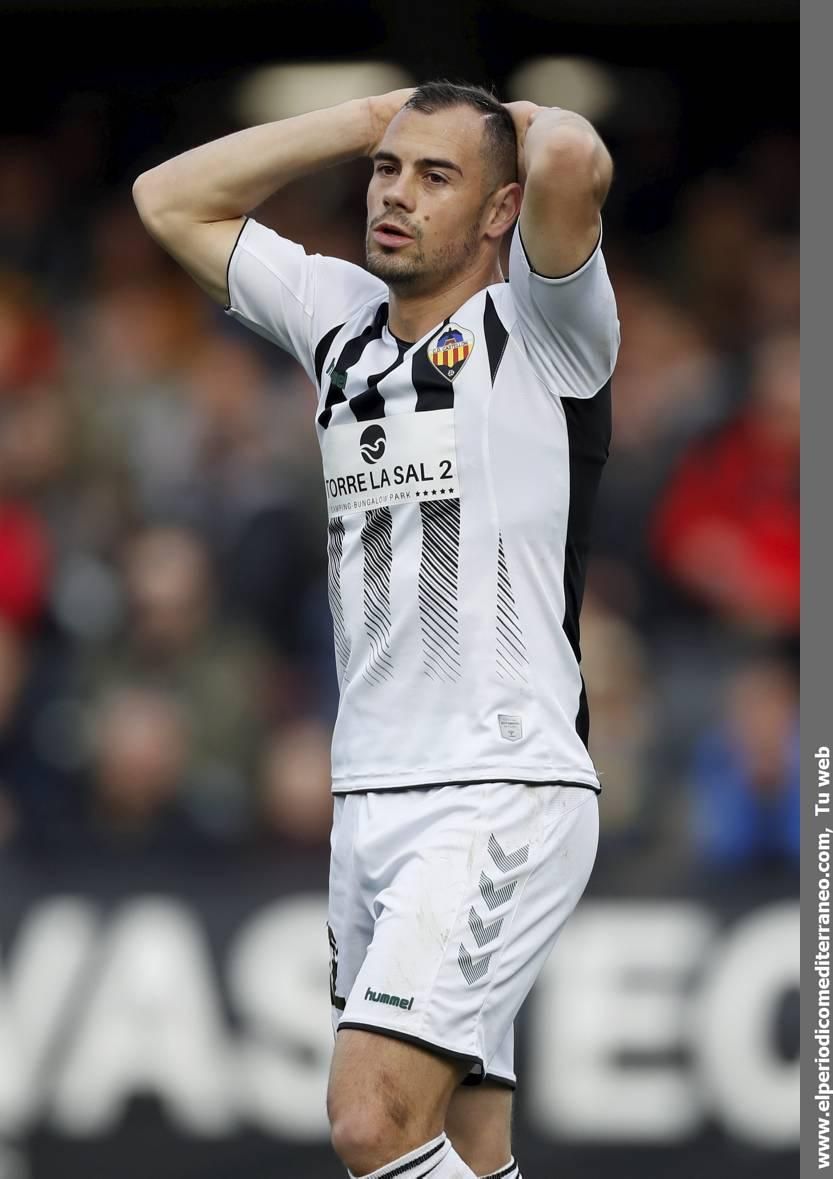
{"x": 500, "y": 144}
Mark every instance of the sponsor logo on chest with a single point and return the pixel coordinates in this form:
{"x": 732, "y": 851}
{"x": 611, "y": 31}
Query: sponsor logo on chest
{"x": 406, "y": 458}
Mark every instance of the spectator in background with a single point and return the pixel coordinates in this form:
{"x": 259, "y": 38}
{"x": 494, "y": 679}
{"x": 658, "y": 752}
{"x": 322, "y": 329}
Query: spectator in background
{"x": 617, "y": 673}
{"x": 296, "y": 799}
{"x": 39, "y": 783}
{"x": 174, "y": 638}
{"x": 726, "y": 529}
{"x": 669, "y": 386}
{"x": 24, "y": 565}
{"x": 31, "y": 240}
{"x": 131, "y": 341}
{"x": 40, "y": 462}
{"x": 773, "y": 279}
{"x": 254, "y": 475}
{"x": 30, "y": 344}
{"x": 25, "y": 544}
{"x": 744, "y": 773}
{"x": 139, "y": 773}
{"x": 17, "y": 764}
{"x": 719, "y": 232}
{"x": 63, "y": 512}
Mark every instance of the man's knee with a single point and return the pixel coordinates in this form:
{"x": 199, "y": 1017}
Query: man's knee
{"x": 385, "y": 1099}
{"x": 358, "y": 1137}
{"x": 366, "y": 1132}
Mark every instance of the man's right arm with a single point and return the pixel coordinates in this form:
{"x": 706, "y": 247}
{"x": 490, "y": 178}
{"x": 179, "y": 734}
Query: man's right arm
{"x": 195, "y": 204}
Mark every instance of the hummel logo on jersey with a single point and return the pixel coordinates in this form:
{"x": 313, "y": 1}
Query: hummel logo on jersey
{"x": 391, "y": 1000}
{"x": 450, "y": 349}
{"x": 372, "y": 444}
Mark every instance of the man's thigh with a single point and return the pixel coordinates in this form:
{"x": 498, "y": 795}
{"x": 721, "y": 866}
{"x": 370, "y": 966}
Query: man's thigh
{"x": 409, "y": 1086}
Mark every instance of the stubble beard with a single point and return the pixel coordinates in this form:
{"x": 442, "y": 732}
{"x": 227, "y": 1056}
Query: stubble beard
{"x": 411, "y": 272}
{"x": 393, "y": 267}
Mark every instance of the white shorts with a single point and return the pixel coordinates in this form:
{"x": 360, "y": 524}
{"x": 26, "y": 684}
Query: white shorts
{"x": 444, "y": 905}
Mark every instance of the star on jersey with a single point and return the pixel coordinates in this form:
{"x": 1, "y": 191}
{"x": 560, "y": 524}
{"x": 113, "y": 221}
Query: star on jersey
{"x": 450, "y": 349}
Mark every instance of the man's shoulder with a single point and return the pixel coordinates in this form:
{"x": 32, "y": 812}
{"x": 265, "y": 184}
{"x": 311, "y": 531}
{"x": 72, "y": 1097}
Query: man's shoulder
{"x": 347, "y": 290}
{"x": 346, "y": 298}
{"x": 485, "y": 301}
{"x": 351, "y": 274}
{"x": 336, "y": 279}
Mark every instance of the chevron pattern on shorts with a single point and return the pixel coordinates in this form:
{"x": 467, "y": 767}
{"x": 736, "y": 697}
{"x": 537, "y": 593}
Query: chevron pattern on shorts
{"x": 472, "y": 971}
{"x": 495, "y": 897}
{"x": 483, "y": 933}
{"x": 504, "y": 862}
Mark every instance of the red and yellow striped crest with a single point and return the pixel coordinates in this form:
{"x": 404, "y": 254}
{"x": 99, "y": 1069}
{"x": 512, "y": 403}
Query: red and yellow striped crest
{"x": 449, "y": 357}
{"x": 450, "y": 349}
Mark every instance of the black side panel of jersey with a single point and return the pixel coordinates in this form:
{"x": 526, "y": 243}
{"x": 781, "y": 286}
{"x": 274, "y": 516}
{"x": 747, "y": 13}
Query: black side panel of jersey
{"x": 350, "y": 355}
{"x": 588, "y": 433}
{"x": 496, "y": 335}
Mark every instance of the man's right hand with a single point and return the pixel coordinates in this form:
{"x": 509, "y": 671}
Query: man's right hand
{"x": 381, "y": 109}
{"x": 194, "y": 205}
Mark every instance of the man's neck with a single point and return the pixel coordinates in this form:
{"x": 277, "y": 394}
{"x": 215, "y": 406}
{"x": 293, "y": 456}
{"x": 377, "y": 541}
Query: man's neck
{"x": 411, "y": 316}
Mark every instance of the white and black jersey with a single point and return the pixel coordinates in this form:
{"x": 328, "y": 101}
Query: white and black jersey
{"x": 460, "y": 475}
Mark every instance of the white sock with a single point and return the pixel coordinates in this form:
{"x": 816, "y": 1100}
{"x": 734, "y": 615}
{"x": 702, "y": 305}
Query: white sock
{"x": 510, "y": 1171}
{"x": 436, "y": 1159}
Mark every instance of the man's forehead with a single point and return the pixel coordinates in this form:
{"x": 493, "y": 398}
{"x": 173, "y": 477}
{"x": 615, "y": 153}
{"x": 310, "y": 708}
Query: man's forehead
{"x": 452, "y": 133}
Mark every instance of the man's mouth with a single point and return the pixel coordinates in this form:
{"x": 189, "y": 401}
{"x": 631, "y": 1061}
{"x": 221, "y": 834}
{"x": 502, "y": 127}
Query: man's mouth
{"x": 389, "y": 234}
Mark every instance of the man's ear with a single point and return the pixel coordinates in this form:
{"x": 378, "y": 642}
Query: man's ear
{"x": 505, "y": 205}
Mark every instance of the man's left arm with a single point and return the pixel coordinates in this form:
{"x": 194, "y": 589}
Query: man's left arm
{"x": 566, "y": 172}
{"x": 566, "y": 309}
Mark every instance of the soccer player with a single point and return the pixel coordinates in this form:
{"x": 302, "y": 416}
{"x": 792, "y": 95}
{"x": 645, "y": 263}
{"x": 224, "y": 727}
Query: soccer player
{"x": 464, "y": 421}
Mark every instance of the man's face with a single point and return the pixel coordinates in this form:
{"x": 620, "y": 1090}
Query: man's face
{"x": 428, "y": 182}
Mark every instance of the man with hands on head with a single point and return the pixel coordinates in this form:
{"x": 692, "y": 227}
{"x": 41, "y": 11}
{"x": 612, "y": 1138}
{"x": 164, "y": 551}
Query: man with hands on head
{"x": 464, "y": 422}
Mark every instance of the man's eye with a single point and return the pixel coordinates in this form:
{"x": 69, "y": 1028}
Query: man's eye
{"x": 385, "y": 169}
{"x": 437, "y": 177}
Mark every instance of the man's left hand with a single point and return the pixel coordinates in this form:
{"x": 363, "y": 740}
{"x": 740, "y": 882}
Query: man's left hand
{"x": 522, "y": 115}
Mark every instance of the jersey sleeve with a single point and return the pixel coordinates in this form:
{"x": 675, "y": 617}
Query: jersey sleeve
{"x": 569, "y": 326}
{"x": 291, "y": 297}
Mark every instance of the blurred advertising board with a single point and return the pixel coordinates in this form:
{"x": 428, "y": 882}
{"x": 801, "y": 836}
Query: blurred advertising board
{"x": 176, "y": 1015}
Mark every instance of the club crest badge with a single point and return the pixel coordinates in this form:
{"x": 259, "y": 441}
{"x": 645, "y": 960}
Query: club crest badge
{"x": 450, "y": 349}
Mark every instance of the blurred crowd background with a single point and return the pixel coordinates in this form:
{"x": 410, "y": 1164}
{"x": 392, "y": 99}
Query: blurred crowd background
{"x": 166, "y": 663}
{"x": 167, "y": 678}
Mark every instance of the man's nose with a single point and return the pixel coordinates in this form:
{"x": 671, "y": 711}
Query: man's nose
{"x": 399, "y": 195}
